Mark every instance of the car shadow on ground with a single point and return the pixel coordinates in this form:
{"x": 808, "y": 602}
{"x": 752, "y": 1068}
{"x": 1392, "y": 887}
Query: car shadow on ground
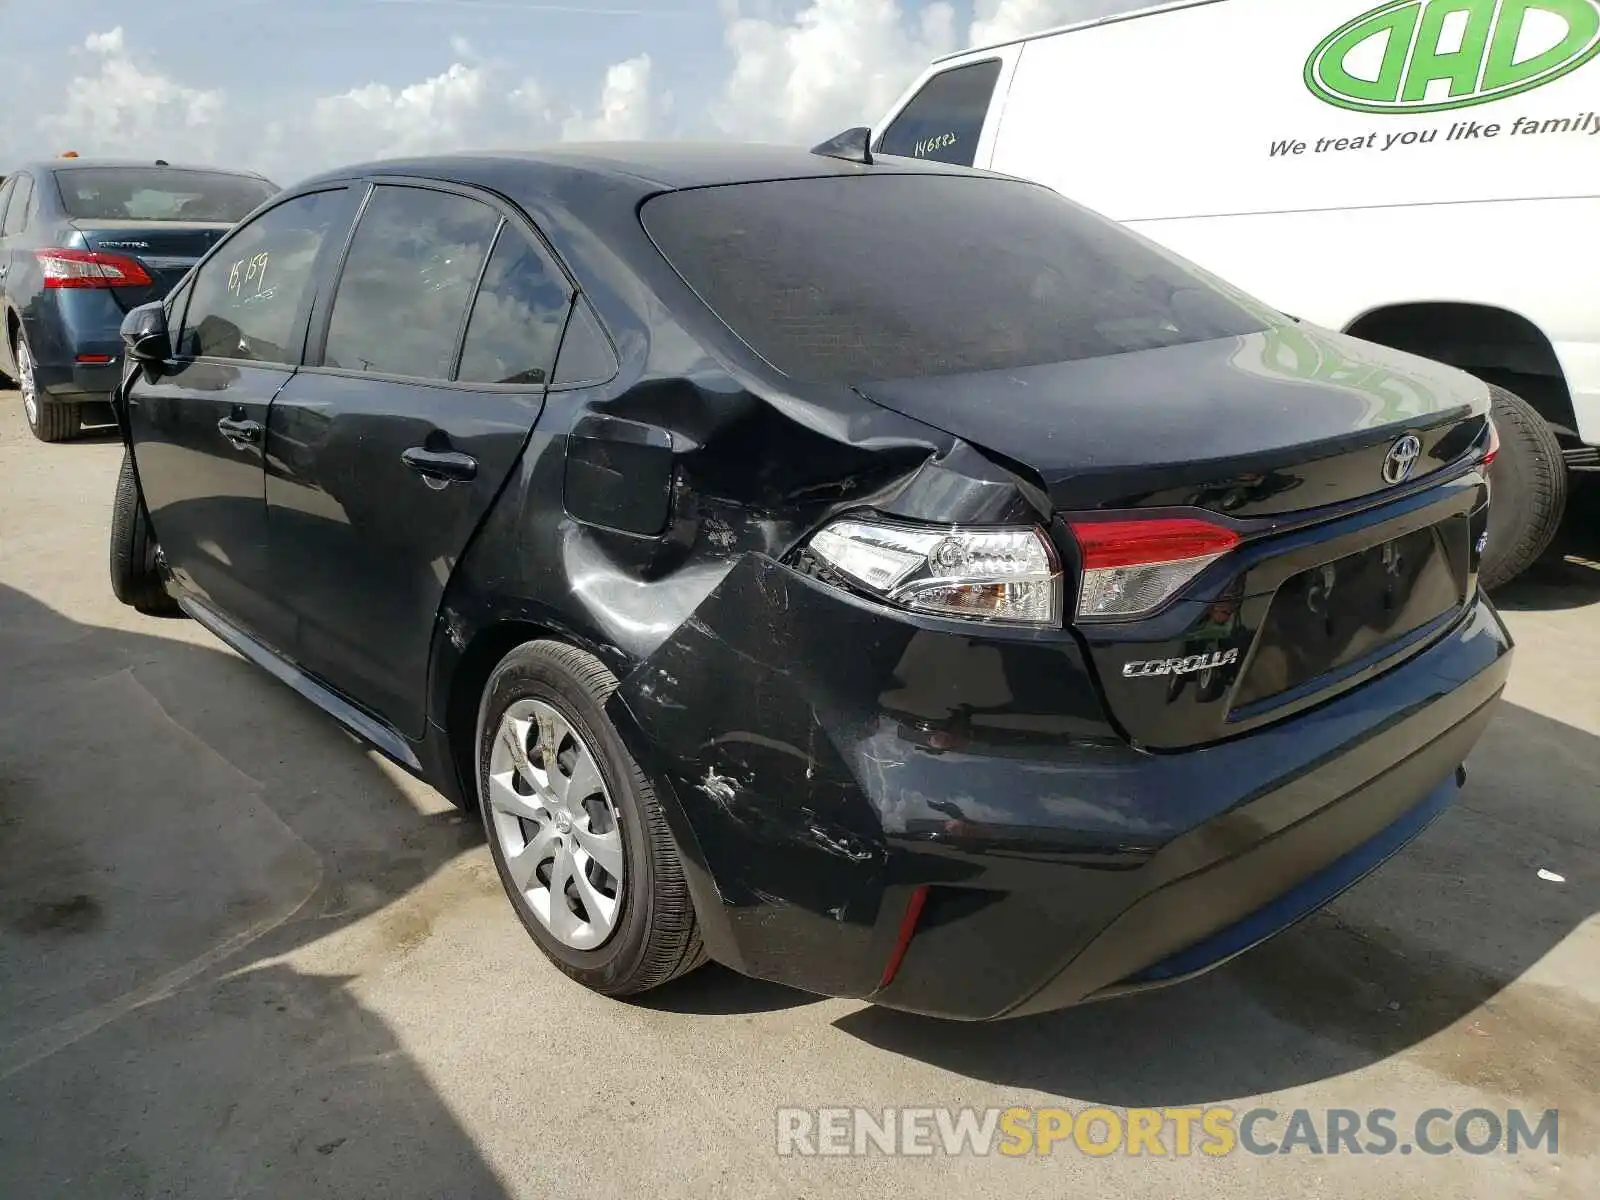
{"x": 1431, "y": 941}
{"x": 170, "y": 828}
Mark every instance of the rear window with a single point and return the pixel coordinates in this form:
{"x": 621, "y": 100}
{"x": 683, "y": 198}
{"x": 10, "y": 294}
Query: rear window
{"x": 159, "y": 194}
{"x": 847, "y": 280}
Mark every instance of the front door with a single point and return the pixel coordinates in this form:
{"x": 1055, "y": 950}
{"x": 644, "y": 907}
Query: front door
{"x": 386, "y": 456}
{"x": 199, "y": 426}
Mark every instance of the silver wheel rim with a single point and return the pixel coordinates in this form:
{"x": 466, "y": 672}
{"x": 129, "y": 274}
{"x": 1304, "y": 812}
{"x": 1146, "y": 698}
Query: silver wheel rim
{"x": 30, "y": 393}
{"x": 556, "y": 825}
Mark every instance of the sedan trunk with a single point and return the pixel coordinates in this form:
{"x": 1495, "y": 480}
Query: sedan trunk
{"x": 165, "y": 249}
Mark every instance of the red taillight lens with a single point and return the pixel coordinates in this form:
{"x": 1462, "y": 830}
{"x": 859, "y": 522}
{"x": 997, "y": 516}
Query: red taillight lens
{"x": 1131, "y": 568}
{"x": 90, "y": 269}
{"x": 1493, "y": 451}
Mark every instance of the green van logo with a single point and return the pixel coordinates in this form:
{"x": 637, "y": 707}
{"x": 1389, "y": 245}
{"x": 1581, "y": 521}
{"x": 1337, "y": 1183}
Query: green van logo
{"x": 1428, "y": 56}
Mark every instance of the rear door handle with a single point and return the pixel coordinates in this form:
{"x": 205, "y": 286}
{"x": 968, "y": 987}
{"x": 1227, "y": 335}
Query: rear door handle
{"x": 441, "y": 467}
{"x": 241, "y": 434}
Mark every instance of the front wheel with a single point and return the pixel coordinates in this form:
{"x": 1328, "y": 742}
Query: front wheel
{"x": 575, "y": 829}
{"x": 135, "y": 574}
{"x": 1529, "y": 496}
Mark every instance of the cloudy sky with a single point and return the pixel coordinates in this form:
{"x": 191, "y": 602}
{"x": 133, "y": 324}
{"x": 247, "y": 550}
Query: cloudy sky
{"x": 291, "y": 86}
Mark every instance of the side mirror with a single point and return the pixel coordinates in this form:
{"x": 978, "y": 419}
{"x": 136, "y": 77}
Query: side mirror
{"x": 145, "y": 335}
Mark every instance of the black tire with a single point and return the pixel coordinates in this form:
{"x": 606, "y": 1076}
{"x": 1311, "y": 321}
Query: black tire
{"x": 657, "y": 937}
{"x": 50, "y": 420}
{"x": 135, "y": 578}
{"x": 1529, "y": 490}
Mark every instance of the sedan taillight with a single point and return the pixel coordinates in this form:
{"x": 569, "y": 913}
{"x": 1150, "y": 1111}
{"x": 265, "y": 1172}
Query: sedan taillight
{"x": 90, "y": 269}
{"x": 1133, "y": 567}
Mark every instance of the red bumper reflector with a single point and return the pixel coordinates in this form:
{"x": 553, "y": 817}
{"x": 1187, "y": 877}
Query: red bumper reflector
{"x": 94, "y": 360}
{"x": 1493, "y": 451}
{"x": 908, "y": 927}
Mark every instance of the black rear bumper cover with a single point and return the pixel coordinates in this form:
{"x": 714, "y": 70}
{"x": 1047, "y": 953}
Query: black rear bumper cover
{"x": 821, "y": 759}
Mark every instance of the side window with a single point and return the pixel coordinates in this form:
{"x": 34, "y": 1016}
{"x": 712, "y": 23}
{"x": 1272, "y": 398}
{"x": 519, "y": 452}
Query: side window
{"x": 944, "y": 120}
{"x": 517, "y": 318}
{"x": 248, "y": 301}
{"x": 407, "y": 282}
{"x": 16, "y": 218}
{"x": 586, "y": 354}
{"x": 6, "y": 188}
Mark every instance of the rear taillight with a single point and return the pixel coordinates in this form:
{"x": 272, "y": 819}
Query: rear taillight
{"x": 89, "y": 269}
{"x": 1493, "y": 451}
{"x": 1133, "y": 567}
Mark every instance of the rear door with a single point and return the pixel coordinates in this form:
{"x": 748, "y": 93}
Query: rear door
{"x": 432, "y": 364}
{"x": 198, "y": 429}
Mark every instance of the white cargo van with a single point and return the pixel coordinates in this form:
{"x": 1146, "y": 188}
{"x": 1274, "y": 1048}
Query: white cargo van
{"x": 1425, "y": 174}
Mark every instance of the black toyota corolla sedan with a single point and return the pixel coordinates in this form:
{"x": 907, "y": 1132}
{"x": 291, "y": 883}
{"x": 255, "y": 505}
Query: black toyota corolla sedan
{"x": 884, "y": 578}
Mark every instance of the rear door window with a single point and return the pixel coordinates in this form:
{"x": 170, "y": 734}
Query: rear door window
{"x": 945, "y": 119}
{"x": 885, "y": 276}
{"x": 413, "y": 265}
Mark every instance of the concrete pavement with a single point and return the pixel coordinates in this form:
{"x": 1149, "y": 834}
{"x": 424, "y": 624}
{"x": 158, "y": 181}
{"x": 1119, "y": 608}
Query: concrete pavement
{"x": 242, "y": 957}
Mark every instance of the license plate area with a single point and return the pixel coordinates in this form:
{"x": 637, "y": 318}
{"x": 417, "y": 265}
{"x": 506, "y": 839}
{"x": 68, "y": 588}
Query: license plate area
{"x": 1332, "y": 616}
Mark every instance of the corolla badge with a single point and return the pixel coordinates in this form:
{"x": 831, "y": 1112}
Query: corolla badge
{"x": 1181, "y": 666}
{"x": 1402, "y": 459}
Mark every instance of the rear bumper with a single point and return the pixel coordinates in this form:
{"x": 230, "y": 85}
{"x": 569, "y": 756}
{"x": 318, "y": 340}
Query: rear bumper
{"x": 65, "y": 326}
{"x": 78, "y": 382}
{"x": 849, "y": 761}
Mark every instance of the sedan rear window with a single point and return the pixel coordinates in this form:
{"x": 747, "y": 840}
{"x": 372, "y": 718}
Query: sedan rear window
{"x": 871, "y": 277}
{"x": 159, "y": 194}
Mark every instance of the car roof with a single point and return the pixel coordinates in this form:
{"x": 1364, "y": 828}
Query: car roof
{"x": 79, "y": 164}
{"x": 645, "y": 166}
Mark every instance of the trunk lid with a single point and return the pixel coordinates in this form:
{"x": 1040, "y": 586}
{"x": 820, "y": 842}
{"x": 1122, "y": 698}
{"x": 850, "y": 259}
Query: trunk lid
{"x": 1270, "y": 423}
{"x": 1282, "y": 437}
{"x": 165, "y": 249}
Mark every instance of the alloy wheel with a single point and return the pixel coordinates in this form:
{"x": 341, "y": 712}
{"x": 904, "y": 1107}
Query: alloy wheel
{"x": 556, "y": 825}
{"x": 27, "y": 382}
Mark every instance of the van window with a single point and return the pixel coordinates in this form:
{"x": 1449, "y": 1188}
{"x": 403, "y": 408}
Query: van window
{"x": 851, "y": 279}
{"x": 944, "y": 120}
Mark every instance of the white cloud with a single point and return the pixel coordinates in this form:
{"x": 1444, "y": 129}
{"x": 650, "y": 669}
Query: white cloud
{"x": 378, "y": 121}
{"x": 837, "y": 63}
{"x": 626, "y": 109}
{"x": 117, "y": 106}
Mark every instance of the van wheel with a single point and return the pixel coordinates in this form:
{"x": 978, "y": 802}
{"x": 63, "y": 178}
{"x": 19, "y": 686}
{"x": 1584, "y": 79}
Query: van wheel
{"x": 135, "y": 577}
{"x": 575, "y": 829}
{"x": 1529, "y": 496}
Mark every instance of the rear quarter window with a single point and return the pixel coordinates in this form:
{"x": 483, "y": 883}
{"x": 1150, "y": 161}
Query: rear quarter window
{"x": 883, "y": 276}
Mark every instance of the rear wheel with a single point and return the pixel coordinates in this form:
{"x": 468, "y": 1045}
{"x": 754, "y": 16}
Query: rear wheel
{"x": 135, "y": 576}
{"x": 1529, "y": 481}
{"x": 575, "y": 829}
{"x": 50, "y": 420}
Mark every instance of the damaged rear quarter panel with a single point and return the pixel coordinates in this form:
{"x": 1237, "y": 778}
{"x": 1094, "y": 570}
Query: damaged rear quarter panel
{"x": 753, "y": 697}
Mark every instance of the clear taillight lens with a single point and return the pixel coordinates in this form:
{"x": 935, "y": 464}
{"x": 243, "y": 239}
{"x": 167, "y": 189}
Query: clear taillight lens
{"x": 1001, "y": 575}
{"x": 1132, "y": 568}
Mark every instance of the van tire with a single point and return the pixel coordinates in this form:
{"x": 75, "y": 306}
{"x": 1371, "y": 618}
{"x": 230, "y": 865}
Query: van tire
{"x": 135, "y": 576}
{"x": 1529, "y": 490}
